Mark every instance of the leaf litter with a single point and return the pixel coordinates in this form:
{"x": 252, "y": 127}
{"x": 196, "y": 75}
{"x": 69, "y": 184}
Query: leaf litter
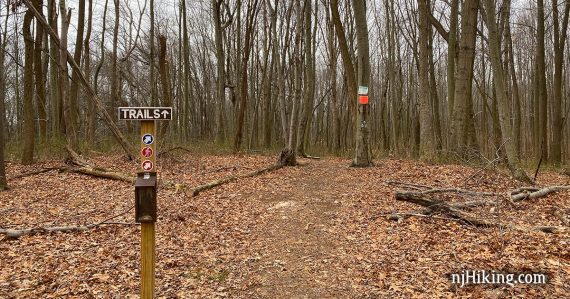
{"x": 313, "y": 231}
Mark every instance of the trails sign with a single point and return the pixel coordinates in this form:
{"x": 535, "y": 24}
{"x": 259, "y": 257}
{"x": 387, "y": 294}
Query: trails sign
{"x": 145, "y": 113}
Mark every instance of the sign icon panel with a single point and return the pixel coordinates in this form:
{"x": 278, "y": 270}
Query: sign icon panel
{"x": 148, "y": 139}
{"x": 147, "y": 165}
{"x": 146, "y": 152}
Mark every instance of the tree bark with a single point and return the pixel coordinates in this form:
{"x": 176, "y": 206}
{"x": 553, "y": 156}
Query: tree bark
{"x": 70, "y": 125}
{"x": 309, "y": 91}
{"x": 28, "y": 113}
{"x": 56, "y": 113}
{"x": 451, "y": 57}
{"x": 427, "y": 136}
{"x": 220, "y": 68}
{"x": 499, "y": 79}
{"x": 114, "y": 76}
{"x": 74, "y": 90}
{"x": 91, "y": 113}
{"x": 462, "y": 122}
{"x": 541, "y": 76}
{"x": 560, "y": 34}
{"x": 39, "y": 77}
{"x": 3, "y": 43}
{"x": 152, "y": 36}
{"x": 164, "y": 80}
{"x": 363, "y": 157}
{"x": 249, "y": 28}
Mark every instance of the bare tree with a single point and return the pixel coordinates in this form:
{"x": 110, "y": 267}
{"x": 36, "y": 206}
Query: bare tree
{"x": 427, "y": 136}
{"x": 3, "y": 43}
{"x": 542, "y": 136}
{"x": 363, "y": 157}
{"x": 28, "y": 113}
{"x": 499, "y": 80}
{"x": 463, "y": 135}
{"x": 252, "y": 10}
{"x": 560, "y": 33}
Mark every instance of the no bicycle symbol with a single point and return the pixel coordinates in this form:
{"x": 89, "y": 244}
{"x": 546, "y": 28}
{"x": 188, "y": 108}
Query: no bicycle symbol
{"x": 147, "y": 165}
{"x": 148, "y": 139}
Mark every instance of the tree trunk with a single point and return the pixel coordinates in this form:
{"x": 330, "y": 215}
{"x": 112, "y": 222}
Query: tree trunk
{"x": 152, "y": 36}
{"x": 502, "y": 94}
{"x": 70, "y": 129}
{"x": 186, "y": 91}
{"x": 309, "y": 92}
{"x": 515, "y": 84}
{"x": 114, "y": 76}
{"x": 74, "y": 91}
{"x": 462, "y": 137}
{"x": 249, "y": 28}
{"x": 363, "y": 157}
{"x": 220, "y": 68}
{"x": 346, "y": 59}
{"x": 164, "y": 80}
{"x": 333, "y": 108}
{"x": 91, "y": 114}
{"x": 91, "y": 92}
{"x": 451, "y": 57}
{"x": 3, "y": 43}
{"x": 427, "y": 142}
{"x": 541, "y": 76}
{"x": 54, "y": 98}
{"x": 557, "y": 110}
{"x": 39, "y": 77}
{"x": 28, "y": 113}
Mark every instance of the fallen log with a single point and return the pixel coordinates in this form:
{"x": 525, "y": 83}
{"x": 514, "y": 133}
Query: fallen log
{"x": 166, "y": 151}
{"x": 409, "y": 185}
{"x": 310, "y": 157}
{"x": 35, "y": 172}
{"x": 438, "y": 205}
{"x": 228, "y": 179}
{"x": 17, "y": 233}
{"x": 101, "y": 173}
{"x": 539, "y": 193}
{"x": 78, "y": 164}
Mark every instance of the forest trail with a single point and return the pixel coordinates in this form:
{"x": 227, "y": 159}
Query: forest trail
{"x": 299, "y": 259}
{"x": 314, "y": 231}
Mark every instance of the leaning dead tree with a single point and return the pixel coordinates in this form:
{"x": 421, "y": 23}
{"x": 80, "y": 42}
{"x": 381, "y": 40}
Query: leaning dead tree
{"x": 129, "y": 150}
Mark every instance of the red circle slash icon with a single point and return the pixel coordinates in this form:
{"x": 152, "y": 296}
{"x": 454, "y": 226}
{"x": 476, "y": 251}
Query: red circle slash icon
{"x": 146, "y": 152}
{"x": 147, "y": 165}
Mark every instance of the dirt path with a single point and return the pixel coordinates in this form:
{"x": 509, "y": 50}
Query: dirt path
{"x": 299, "y": 247}
{"x": 313, "y": 231}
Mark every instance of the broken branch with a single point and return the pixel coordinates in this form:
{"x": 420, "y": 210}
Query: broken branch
{"x": 228, "y": 179}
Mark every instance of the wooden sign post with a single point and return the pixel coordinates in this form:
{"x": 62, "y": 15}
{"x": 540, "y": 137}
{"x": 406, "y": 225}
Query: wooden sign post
{"x": 146, "y": 188}
{"x": 148, "y": 239}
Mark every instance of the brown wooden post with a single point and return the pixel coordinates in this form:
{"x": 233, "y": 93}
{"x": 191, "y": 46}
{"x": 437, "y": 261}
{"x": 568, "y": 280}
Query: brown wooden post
{"x": 146, "y": 188}
{"x": 148, "y": 239}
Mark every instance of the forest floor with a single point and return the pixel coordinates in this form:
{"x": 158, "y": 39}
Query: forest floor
{"x": 314, "y": 231}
